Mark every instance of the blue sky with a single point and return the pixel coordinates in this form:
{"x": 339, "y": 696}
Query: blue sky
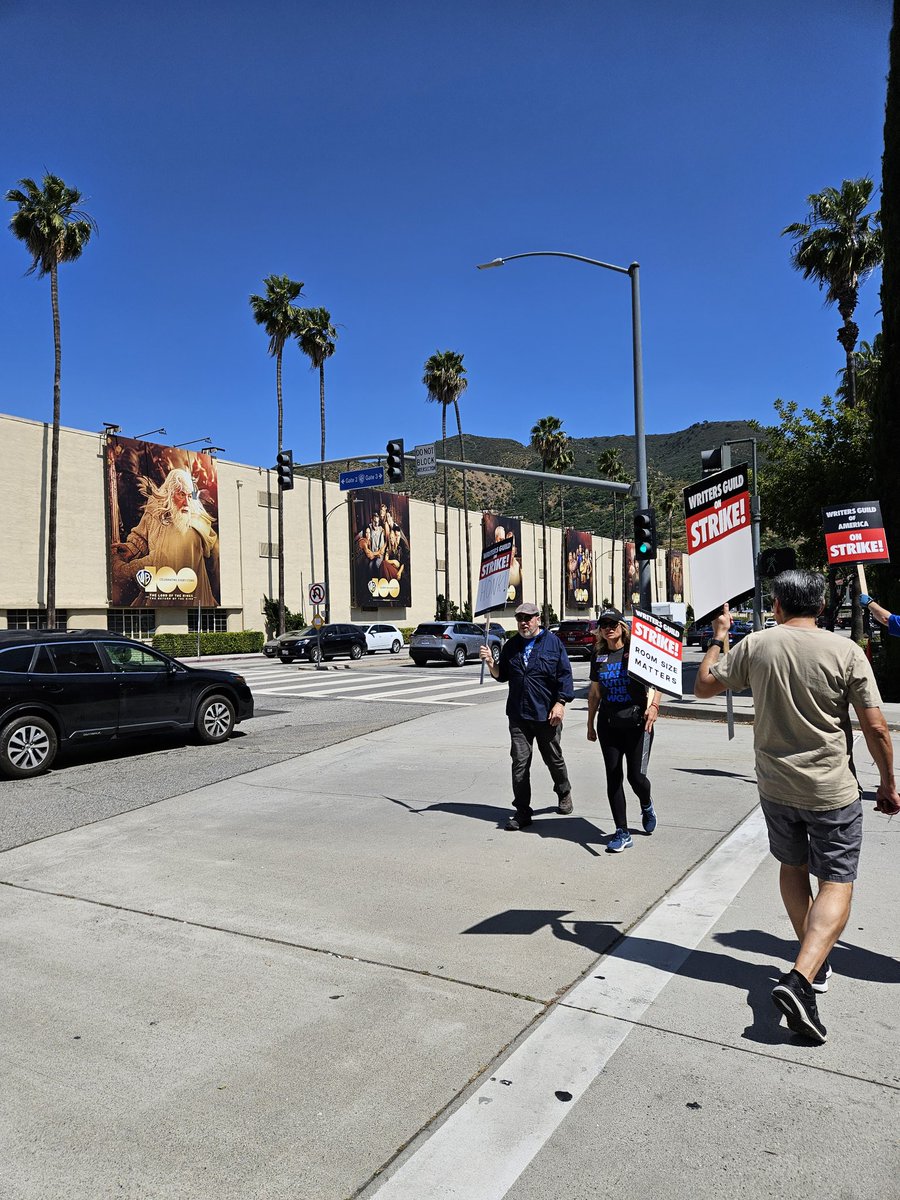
{"x": 377, "y": 152}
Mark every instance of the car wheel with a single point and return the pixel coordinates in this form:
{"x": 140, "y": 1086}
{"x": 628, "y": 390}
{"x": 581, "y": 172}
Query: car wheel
{"x": 315, "y": 654}
{"x": 27, "y": 747}
{"x": 356, "y": 651}
{"x": 495, "y": 654}
{"x": 418, "y": 660}
{"x": 459, "y": 656}
{"x": 215, "y": 719}
{"x": 395, "y": 646}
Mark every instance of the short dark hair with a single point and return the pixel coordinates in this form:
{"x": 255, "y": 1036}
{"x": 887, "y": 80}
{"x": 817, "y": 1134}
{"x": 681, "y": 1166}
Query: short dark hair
{"x": 800, "y": 593}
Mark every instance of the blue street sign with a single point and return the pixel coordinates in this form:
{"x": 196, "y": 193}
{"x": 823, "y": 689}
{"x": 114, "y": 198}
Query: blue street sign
{"x": 366, "y": 478}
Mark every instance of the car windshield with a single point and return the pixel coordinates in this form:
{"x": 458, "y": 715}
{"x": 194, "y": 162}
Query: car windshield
{"x": 307, "y": 632}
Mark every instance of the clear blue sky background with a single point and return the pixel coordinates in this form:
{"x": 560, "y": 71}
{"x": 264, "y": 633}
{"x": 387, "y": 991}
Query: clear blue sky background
{"x": 377, "y": 151}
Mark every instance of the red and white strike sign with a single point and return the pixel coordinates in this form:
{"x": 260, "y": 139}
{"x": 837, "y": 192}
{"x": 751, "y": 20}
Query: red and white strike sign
{"x": 855, "y": 533}
{"x": 493, "y": 579}
{"x": 719, "y": 539}
{"x": 655, "y": 652}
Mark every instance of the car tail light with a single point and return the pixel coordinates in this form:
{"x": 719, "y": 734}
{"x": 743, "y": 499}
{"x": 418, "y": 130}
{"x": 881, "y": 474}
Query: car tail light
{"x": 446, "y": 637}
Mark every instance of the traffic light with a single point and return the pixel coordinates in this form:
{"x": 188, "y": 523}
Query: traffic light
{"x": 645, "y": 533}
{"x": 773, "y": 562}
{"x": 285, "y": 468}
{"x": 715, "y": 460}
{"x": 395, "y": 463}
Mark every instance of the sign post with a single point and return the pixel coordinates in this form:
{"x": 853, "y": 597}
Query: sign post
{"x": 493, "y": 584}
{"x": 317, "y": 594}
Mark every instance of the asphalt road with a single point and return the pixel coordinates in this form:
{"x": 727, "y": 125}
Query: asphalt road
{"x": 92, "y": 783}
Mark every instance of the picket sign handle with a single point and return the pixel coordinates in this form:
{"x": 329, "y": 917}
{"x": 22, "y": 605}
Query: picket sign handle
{"x": 861, "y": 576}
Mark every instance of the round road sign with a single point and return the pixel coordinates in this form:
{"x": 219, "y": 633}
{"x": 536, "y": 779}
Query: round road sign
{"x": 317, "y": 593}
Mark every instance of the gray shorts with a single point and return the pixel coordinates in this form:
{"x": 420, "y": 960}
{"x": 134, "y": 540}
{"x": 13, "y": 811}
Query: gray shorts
{"x": 827, "y": 843}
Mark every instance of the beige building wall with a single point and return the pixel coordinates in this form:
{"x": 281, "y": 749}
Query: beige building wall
{"x": 248, "y": 529}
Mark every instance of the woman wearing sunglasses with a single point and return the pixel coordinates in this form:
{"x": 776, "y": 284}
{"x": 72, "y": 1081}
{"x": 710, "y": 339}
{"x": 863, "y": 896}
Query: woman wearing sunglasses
{"x": 621, "y": 715}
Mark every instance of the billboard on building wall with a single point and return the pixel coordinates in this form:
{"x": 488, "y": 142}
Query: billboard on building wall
{"x": 675, "y": 576}
{"x": 579, "y": 569}
{"x": 632, "y": 578}
{"x": 495, "y": 528}
{"x": 163, "y": 526}
{"x": 379, "y": 550}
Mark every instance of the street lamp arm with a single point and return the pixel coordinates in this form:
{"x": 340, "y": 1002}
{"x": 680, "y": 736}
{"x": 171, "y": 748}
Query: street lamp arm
{"x": 594, "y": 262}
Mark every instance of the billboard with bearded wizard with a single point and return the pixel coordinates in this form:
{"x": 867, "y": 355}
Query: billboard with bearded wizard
{"x": 163, "y": 526}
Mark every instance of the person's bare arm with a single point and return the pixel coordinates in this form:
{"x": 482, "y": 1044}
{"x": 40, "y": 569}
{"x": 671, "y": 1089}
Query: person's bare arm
{"x": 878, "y": 739}
{"x": 879, "y": 612}
{"x": 593, "y": 705}
{"x": 706, "y": 685}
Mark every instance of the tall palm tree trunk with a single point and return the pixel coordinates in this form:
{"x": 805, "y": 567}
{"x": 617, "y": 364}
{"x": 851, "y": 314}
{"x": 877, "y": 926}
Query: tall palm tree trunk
{"x": 54, "y": 451}
{"x": 446, "y": 517}
{"x": 325, "y": 577}
{"x": 847, "y": 335}
{"x": 462, "y": 458}
{"x": 280, "y": 502}
{"x": 546, "y": 613}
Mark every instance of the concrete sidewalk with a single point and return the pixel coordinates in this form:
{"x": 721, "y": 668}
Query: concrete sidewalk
{"x": 288, "y": 983}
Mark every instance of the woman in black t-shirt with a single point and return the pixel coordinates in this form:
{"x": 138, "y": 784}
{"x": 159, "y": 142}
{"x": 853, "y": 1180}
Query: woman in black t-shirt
{"x": 621, "y": 714}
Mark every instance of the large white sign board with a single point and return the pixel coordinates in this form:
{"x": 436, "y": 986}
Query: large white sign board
{"x": 719, "y": 540}
{"x": 493, "y": 579}
{"x": 655, "y": 652}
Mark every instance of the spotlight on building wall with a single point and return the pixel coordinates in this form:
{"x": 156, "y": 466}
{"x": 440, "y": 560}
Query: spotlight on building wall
{"x": 138, "y": 436}
{"x": 110, "y": 427}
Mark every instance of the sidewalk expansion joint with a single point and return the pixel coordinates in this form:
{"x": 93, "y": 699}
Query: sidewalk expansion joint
{"x": 274, "y": 941}
{"x": 706, "y": 1041}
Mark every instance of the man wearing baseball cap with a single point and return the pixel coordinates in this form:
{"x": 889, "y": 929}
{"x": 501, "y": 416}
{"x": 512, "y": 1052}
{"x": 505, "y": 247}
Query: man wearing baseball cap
{"x": 535, "y": 665}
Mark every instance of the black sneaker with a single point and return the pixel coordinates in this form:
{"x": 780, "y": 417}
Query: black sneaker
{"x": 565, "y": 805}
{"x": 517, "y": 821}
{"x": 820, "y": 983}
{"x": 793, "y": 996}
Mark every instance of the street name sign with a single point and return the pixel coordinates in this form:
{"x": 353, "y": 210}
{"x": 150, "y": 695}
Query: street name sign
{"x": 719, "y": 540}
{"x": 425, "y": 464}
{"x": 351, "y": 481}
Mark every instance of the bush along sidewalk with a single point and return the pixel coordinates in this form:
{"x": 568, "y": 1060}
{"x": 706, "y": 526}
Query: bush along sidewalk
{"x": 184, "y": 645}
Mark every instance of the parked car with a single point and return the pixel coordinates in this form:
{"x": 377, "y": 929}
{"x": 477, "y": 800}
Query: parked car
{"x": 335, "y": 640}
{"x": 69, "y": 686}
{"x": 382, "y": 637}
{"x": 578, "y": 636}
{"x": 273, "y": 645}
{"x": 450, "y": 641}
{"x": 696, "y": 634}
{"x": 737, "y": 632}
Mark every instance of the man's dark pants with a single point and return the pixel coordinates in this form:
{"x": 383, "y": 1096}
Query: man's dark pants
{"x": 523, "y": 735}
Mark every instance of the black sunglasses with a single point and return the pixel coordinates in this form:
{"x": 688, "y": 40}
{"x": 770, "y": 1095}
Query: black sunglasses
{"x": 609, "y": 624}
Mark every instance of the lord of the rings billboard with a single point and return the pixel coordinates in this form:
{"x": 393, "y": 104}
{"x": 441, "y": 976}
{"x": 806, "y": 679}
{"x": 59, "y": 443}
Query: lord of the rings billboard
{"x": 379, "y": 550}
{"x": 163, "y": 514}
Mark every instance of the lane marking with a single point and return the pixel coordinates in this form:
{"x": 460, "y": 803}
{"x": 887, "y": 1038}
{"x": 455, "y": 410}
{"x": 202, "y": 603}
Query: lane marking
{"x": 484, "y": 1146}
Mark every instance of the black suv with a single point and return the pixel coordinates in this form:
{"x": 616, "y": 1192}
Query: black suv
{"x": 60, "y": 686}
{"x": 335, "y": 639}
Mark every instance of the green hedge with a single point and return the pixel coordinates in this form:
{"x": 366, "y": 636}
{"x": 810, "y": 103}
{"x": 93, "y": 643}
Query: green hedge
{"x": 184, "y": 645}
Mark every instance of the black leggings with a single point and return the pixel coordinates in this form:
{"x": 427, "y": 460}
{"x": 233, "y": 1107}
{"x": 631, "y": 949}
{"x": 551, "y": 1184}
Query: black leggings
{"x": 632, "y": 746}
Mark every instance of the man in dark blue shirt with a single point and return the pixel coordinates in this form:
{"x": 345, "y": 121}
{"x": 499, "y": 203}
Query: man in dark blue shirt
{"x": 535, "y": 665}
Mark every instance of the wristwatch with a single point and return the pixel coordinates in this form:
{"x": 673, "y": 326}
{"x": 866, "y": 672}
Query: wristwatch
{"x": 718, "y": 642}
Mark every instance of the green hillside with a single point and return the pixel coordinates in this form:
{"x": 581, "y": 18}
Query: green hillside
{"x": 675, "y": 456}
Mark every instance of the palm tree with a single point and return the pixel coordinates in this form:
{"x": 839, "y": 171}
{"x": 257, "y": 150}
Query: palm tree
{"x": 281, "y": 319}
{"x": 316, "y": 338}
{"x": 559, "y": 461}
{"x": 668, "y": 504}
{"x": 839, "y": 245}
{"x": 542, "y": 434}
{"x": 445, "y": 382}
{"x": 611, "y": 467}
{"x": 55, "y": 230}
{"x": 867, "y": 363}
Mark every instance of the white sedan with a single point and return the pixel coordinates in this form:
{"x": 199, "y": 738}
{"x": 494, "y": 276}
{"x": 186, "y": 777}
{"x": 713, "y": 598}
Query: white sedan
{"x": 383, "y": 637}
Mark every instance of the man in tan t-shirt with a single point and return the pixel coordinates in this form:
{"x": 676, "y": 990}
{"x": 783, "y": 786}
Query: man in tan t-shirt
{"x": 804, "y": 680}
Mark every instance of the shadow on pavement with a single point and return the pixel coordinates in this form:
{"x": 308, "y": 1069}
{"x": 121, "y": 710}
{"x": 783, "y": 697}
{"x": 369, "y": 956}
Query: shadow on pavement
{"x": 853, "y": 962}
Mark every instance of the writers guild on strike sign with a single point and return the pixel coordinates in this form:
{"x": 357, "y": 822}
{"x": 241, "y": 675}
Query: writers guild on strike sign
{"x": 855, "y": 533}
{"x": 493, "y": 578}
{"x": 718, "y": 524}
{"x": 655, "y": 652}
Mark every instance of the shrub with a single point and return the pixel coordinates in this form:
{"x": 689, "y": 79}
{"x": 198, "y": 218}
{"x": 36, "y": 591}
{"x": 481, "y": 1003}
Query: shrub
{"x": 184, "y": 645}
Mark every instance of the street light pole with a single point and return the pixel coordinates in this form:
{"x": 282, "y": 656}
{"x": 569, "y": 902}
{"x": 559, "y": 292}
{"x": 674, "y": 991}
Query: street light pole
{"x": 633, "y": 272}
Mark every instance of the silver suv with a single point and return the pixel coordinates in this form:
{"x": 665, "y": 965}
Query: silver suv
{"x": 450, "y": 641}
